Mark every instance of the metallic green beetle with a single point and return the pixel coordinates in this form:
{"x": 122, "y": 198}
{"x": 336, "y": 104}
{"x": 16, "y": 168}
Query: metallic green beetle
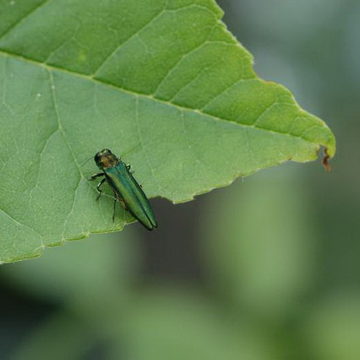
{"x": 125, "y": 188}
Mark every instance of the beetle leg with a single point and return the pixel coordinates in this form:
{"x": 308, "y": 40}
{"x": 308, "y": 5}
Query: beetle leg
{"x": 128, "y": 166}
{"x": 114, "y": 210}
{"x": 96, "y": 175}
{"x": 121, "y": 201}
{"x": 98, "y": 187}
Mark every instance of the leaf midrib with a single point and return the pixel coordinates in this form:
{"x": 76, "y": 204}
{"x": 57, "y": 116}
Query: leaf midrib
{"x": 151, "y": 97}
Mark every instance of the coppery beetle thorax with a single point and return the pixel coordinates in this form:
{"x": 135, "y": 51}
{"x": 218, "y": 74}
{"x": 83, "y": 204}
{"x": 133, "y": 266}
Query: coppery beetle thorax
{"x": 105, "y": 159}
{"x": 109, "y": 161}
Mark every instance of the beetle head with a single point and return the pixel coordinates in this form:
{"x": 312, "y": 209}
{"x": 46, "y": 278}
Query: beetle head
{"x": 105, "y": 159}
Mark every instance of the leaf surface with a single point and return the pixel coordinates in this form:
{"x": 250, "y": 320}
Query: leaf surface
{"x": 162, "y": 83}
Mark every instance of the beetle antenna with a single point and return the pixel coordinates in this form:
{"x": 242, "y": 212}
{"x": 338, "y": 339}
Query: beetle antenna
{"x": 86, "y": 161}
{"x": 131, "y": 150}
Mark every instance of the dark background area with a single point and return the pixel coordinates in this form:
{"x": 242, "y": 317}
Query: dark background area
{"x": 267, "y": 268}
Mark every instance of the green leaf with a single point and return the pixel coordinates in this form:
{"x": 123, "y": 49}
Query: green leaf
{"x": 161, "y": 81}
{"x": 68, "y": 274}
{"x": 331, "y": 328}
{"x": 154, "y": 321}
{"x": 261, "y": 247}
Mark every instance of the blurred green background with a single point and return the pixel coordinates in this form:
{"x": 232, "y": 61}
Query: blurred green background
{"x": 267, "y": 268}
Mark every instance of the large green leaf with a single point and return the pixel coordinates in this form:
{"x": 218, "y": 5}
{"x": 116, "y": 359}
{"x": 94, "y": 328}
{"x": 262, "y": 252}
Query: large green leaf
{"x": 164, "y": 79}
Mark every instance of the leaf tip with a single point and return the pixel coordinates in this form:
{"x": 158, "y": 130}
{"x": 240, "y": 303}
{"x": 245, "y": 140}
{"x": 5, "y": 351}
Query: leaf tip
{"x": 326, "y": 160}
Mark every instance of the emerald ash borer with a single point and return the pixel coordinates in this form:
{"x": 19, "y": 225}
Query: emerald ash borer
{"x": 126, "y": 189}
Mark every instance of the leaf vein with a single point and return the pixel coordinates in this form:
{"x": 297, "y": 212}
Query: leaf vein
{"x": 52, "y": 133}
{"x": 142, "y": 143}
{"x": 27, "y": 15}
{"x": 117, "y": 48}
{"x": 11, "y": 217}
{"x": 148, "y": 96}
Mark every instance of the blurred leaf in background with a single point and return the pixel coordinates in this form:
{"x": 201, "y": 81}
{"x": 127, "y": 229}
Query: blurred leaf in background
{"x": 91, "y": 283}
{"x": 332, "y": 328}
{"x": 102, "y": 308}
{"x": 262, "y": 246}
